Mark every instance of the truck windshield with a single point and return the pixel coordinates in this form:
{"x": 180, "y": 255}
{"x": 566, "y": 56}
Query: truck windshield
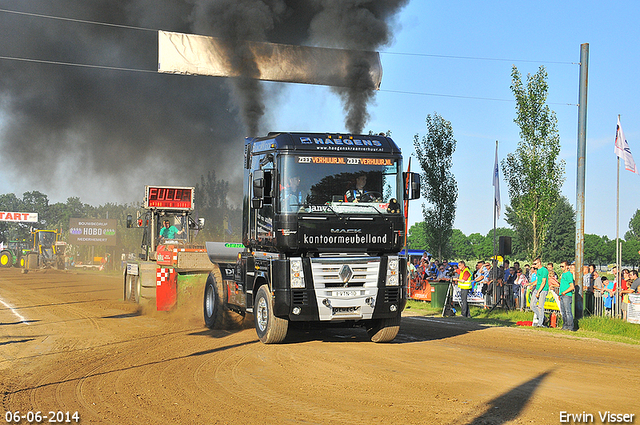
{"x": 340, "y": 184}
{"x": 46, "y": 239}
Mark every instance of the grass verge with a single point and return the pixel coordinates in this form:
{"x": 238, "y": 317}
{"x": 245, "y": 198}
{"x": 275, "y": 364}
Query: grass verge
{"x": 603, "y": 328}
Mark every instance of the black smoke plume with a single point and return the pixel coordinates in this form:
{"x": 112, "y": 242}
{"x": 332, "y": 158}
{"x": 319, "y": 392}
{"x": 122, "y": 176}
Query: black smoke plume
{"x": 106, "y": 132}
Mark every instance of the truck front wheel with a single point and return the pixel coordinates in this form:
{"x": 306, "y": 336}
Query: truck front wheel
{"x": 384, "y": 330}
{"x": 270, "y": 329}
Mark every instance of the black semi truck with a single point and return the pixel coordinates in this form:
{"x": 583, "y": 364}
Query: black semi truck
{"x": 322, "y": 227}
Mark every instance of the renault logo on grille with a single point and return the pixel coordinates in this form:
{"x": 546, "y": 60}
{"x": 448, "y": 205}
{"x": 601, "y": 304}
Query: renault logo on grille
{"x": 345, "y": 274}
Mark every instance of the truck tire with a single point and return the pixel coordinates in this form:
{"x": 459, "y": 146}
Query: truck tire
{"x": 6, "y": 259}
{"x": 213, "y": 305}
{"x": 21, "y": 262}
{"x": 216, "y": 311}
{"x": 384, "y": 330}
{"x": 270, "y": 329}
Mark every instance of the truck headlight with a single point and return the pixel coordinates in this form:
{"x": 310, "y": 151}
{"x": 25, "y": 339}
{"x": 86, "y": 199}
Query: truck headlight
{"x": 393, "y": 278}
{"x": 296, "y": 275}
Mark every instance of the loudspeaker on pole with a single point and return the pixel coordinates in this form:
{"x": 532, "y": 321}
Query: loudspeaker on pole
{"x": 504, "y": 245}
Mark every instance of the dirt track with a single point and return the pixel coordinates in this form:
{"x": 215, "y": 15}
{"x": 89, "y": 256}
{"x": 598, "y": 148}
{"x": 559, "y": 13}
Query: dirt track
{"x": 71, "y": 344}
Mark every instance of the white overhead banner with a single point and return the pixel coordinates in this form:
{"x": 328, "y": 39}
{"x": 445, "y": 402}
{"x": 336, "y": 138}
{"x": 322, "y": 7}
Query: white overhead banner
{"x": 199, "y": 55}
{"x": 19, "y": 217}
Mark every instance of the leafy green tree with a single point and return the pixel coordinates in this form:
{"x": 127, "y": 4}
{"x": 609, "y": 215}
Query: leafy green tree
{"x": 476, "y": 242}
{"x": 594, "y": 247}
{"x": 634, "y": 227}
{"x": 211, "y": 201}
{"x": 461, "y": 249}
{"x": 630, "y": 255}
{"x": 416, "y": 238}
{"x": 561, "y": 234}
{"x": 439, "y": 188}
{"x": 608, "y": 250}
{"x": 534, "y": 172}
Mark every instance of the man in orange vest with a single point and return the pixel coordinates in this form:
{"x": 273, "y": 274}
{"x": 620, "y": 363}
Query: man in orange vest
{"x": 465, "y": 281}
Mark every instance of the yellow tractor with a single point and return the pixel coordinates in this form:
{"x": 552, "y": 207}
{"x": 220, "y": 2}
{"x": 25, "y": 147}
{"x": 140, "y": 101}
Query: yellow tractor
{"x": 47, "y": 250}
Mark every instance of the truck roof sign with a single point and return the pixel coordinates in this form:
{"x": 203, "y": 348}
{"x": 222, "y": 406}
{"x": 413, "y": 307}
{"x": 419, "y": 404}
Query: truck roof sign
{"x": 324, "y": 142}
{"x": 169, "y": 197}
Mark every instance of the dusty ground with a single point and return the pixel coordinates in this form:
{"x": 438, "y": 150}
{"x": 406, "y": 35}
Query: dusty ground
{"x": 71, "y": 344}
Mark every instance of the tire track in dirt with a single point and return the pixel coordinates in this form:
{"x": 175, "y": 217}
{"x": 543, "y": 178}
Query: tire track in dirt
{"x": 98, "y": 355}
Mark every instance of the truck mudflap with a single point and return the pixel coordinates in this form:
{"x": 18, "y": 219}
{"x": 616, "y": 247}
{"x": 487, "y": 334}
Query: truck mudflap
{"x": 226, "y": 252}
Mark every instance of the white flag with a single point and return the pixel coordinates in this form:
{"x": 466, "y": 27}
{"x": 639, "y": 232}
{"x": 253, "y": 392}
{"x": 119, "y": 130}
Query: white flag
{"x": 622, "y": 150}
{"x": 496, "y": 184}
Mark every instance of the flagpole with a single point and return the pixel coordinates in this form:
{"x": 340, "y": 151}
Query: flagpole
{"x": 618, "y": 254}
{"x": 495, "y": 213}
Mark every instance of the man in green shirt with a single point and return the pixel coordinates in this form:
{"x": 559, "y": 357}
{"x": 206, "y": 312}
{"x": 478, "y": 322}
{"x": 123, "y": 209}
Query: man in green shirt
{"x": 566, "y": 296}
{"x": 168, "y": 231}
{"x": 540, "y": 293}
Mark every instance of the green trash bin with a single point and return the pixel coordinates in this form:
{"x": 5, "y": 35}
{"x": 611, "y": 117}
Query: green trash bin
{"x": 438, "y": 293}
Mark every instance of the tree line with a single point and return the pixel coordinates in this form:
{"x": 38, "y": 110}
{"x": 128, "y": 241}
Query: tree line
{"x": 222, "y": 220}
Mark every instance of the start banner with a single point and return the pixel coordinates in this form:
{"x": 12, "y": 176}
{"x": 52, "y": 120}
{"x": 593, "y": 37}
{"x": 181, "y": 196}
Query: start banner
{"x": 19, "y": 217}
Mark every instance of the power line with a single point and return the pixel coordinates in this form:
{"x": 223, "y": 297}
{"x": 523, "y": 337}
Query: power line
{"x": 84, "y": 21}
{"x": 465, "y": 97}
{"x": 80, "y": 65}
{"x": 116, "y": 68}
{"x": 153, "y": 71}
{"x": 475, "y": 58}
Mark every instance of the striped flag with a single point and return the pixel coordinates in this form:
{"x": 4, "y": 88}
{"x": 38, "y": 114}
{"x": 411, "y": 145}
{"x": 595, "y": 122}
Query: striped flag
{"x": 623, "y": 151}
{"x": 496, "y": 184}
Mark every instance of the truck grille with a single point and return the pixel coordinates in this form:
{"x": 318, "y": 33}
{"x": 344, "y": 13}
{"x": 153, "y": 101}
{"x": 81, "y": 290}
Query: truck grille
{"x": 300, "y": 297}
{"x": 392, "y": 294}
{"x": 345, "y": 272}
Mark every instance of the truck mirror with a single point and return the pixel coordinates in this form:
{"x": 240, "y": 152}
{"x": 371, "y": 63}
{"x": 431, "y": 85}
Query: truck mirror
{"x": 129, "y": 221}
{"x": 411, "y": 185}
{"x": 258, "y": 184}
{"x": 261, "y": 187}
{"x": 201, "y": 223}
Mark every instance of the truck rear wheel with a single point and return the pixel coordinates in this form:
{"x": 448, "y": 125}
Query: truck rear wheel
{"x": 270, "y": 329}
{"x": 216, "y": 312}
{"x": 6, "y": 259}
{"x": 384, "y": 330}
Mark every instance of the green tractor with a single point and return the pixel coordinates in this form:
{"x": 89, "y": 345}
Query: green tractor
{"x": 15, "y": 254}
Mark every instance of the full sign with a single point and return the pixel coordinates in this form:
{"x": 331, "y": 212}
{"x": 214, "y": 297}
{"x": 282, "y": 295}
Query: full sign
{"x": 92, "y": 231}
{"x": 19, "y": 217}
{"x": 169, "y": 197}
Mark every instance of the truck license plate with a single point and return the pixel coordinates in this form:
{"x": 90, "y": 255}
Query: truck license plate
{"x": 345, "y": 310}
{"x": 345, "y": 294}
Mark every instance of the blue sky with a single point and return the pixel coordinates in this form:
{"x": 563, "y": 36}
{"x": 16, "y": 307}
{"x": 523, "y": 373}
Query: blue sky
{"x": 456, "y": 56}
{"x": 522, "y": 33}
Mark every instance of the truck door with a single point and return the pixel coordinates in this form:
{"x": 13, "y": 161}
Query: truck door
{"x": 261, "y": 220}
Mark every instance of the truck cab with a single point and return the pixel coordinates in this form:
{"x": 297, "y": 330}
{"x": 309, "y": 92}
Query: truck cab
{"x": 323, "y": 224}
